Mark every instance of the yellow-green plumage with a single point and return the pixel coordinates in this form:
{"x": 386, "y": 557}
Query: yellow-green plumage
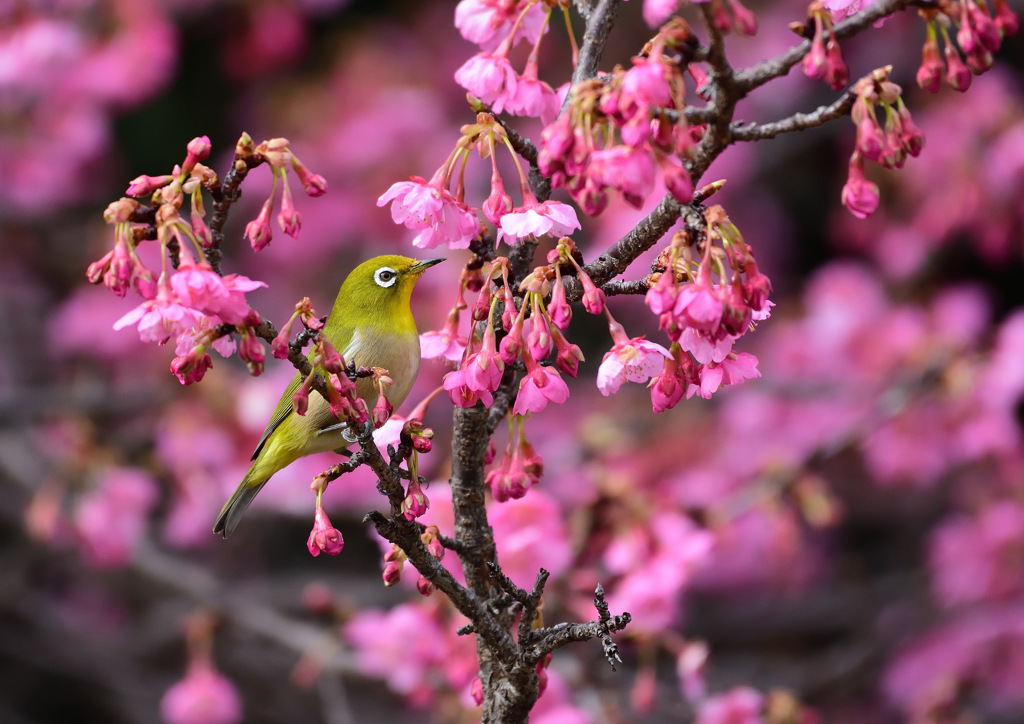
{"x": 371, "y": 324}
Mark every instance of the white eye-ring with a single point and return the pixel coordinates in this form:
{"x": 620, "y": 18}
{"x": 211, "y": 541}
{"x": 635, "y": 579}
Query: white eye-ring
{"x": 385, "y": 277}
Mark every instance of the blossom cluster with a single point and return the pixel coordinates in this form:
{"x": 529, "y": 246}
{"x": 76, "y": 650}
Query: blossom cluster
{"x": 194, "y": 303}
{"x": 618, "y": 131}
{"x": 442, "y": 217}
{"x": 888, "y": 143}
{"x": 979, "y": 34}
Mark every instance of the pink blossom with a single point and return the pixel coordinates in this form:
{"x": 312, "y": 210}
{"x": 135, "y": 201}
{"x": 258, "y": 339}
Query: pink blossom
{"x": 739, "y": 368}
{"x": 110, "y": 520}
{"x": 199, "y": 287}
{"x": 699, "y": 306}
{"x": 645, "y": 85}
{"x": 490, "y": 78}
{"x": 161, "y": 318}
{"x": 508, "y": 480}
{"x": 656, "y": 12}
{"x": 433, "y": 211}
{"x": 324, "y": 536}
{"x": 488, "y": 22}
{"x": 531, "y": 534}
{"x": 485, "y": 368}
{"x": 740, "y": 705}
{"x": 533, "y": 97}
{"x": 416, "y": 204}
{"x": 661, "y": 297}
{"x": 464, "y": 394}
{"x": 627, "y": 170}
{"x": 705, "y": 349}
{"x": 235, "y": 309}
{"x": 445, "y": 342}
{"x": 414, "y": 650}
{"x": 538, "y": 219}
{"x": 635, "y": 360}
{"x": 204, "y": 696}
{"x": 540, "y": 386}
{"x": 974, "y": 558}
{"x": 844, "y": 8}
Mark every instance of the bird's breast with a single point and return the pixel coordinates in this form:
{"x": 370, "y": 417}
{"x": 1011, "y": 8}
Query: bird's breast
{"x": 399, "y": 354}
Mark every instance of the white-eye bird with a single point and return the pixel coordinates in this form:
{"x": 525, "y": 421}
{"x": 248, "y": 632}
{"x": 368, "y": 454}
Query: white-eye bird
{"x": 371, "y": 324}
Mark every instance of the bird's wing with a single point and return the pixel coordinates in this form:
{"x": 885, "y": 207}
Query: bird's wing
{"x": 281, "y": 412}
{"x": 284, "y": 405}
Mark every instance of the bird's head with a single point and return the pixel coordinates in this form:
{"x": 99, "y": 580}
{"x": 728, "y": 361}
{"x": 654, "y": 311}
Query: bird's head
{"x": 382, "y": 285}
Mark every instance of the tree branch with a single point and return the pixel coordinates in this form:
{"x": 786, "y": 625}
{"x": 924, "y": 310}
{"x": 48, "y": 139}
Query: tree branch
{"x": 796, "y": 122}
{"x": 766, "y": 70}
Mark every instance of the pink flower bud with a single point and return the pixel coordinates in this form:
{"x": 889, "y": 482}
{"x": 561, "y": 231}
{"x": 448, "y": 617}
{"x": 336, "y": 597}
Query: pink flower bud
{"x": 539, "y": 339}
{"x": 435, "y": 548}
{"x": 120, "y": 211}
{"x": 198, "y": 150}
{"x": 911, "y": 138}
{"x": 745, "y": 20}
{"x": 191, "y": 367}
{"x": 258, "y": 231}
{"x": 677, "y": 180}
{"x": 477, "y": 691}
{"x": 312, "y": 183}
{"x": 980, "y": 60}
{"x": 1006, "y": 20}
{"x": 558, "y": 307}
{"x": 871, "y": 140}
{"x": 381, "y": 411}
{"x": 279, "y": 345}
{"x": 145, "y": 185}
{"x": 415, "y": 503}
{"x": 593, "y": 298}
{"x": 837, "y": 75}
{"x": 392, "y": 573}
{"x": 97, "y": 269}
{"x": 814, "y": 62}
{"x": 424, "y": 586}
{"x": 498, "y": 203}
{"x": 859, "y": 195}
{"x": 250, "y": 350}
{"x": 289, "y": 219}
{"x": 324, "y": 536}
{"x": 300, "y": 400}
{"x": 958, "y": 75}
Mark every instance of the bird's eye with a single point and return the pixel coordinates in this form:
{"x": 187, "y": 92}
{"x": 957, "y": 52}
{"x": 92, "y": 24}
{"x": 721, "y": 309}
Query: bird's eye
{"x": 385, "y": 276}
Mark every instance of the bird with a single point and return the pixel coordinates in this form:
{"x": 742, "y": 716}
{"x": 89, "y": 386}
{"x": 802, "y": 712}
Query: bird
{"x": 372, "y": 325}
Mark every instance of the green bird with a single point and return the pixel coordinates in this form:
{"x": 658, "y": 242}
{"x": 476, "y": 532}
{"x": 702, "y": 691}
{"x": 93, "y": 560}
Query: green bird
{"x": 371, "y": 324}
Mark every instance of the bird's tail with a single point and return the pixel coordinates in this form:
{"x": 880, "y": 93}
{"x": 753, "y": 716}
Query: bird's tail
{"x": 239, "y": 501}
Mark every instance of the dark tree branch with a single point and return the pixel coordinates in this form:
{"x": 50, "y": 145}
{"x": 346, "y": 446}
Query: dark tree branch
{"x": 758, "y": 75}
{"x": 638, "y": 286}
{"x": 796, "y": 122}
{"x": 224, "y": 194}
{"x": 599, "y": 25}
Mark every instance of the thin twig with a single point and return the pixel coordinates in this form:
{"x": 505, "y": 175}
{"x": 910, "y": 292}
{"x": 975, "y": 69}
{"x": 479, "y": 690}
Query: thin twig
{"x": 796, "y": 122}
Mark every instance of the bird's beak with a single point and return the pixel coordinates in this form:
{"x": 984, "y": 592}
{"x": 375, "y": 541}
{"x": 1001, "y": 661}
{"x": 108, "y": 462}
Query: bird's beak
{"x": 421, "y": 266}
